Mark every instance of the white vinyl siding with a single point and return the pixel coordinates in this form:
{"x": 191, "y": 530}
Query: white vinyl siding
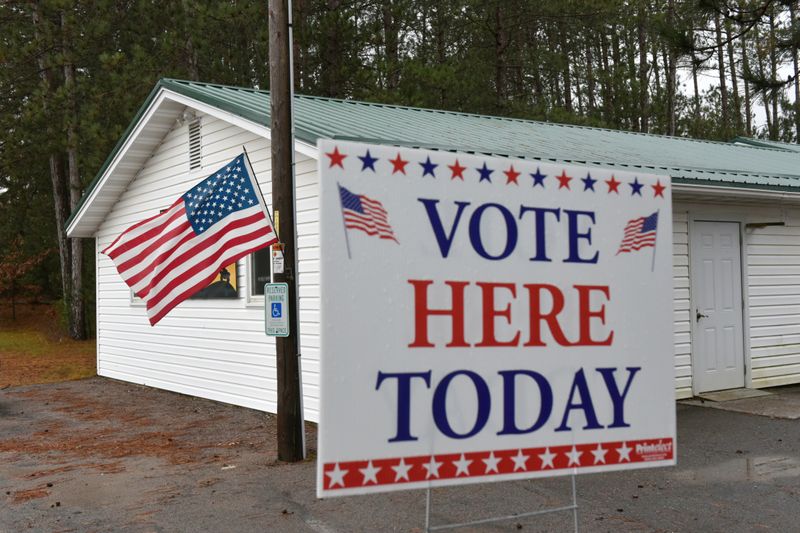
{"x": 217, "y": 349}
{"x": 681, "y": 303}
{"x": 213, "y": 349}
{"x": 773, "y": 279}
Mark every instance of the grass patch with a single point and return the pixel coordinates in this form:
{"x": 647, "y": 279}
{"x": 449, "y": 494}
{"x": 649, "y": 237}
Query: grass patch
{"x": 23, "y": 343}
{"x": 33, "y": 349}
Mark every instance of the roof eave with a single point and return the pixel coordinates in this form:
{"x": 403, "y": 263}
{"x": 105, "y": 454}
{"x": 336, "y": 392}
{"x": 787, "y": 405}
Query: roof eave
{"x": 167, "y": 89}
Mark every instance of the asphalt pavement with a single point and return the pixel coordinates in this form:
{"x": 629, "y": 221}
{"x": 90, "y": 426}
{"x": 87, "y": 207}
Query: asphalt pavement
{"x": 100, "y": 455}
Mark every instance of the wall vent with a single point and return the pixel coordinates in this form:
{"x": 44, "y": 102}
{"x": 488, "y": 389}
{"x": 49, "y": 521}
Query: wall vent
{"x": 195, "y": 145}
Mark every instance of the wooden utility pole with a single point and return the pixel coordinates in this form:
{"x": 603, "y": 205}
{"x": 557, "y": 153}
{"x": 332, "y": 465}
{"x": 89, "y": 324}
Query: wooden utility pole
{"x": 290, "y": 415}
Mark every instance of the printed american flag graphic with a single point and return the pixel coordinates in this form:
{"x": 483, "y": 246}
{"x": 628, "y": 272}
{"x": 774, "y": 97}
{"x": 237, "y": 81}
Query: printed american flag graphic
{"x": 639, "y": 233}
{"x": 363, "y": 213}
{"x": 170, "y": 256}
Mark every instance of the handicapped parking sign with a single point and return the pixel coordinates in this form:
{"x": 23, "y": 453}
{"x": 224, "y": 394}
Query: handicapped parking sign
{"x": 276, "y": 306}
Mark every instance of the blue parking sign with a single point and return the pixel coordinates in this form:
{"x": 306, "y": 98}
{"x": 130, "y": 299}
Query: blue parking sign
{"x": 276, "y": 309}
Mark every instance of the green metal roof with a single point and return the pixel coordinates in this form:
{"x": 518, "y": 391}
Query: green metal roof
{"x": 689, "y": 160}
{"x": 686, "y": 160}
{"x": 764, "y": 143}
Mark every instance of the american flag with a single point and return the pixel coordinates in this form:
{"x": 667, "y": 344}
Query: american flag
{"x": 363, "y": 213}
{"x": 639, "y": 233}
{"x": 168, "y": 257}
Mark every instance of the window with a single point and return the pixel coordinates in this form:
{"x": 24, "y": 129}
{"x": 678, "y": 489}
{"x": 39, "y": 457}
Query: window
{"x": 259, "y": 270}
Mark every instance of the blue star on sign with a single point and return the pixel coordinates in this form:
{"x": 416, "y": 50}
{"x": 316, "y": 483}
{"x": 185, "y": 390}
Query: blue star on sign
{"x": 636, "y": 187}
{"x": 367, "y": 161}
{"x": 588, "y": 183}
{"x": 538, "y": 178}
{"x": 427, "y": 167}
{"x": 485, "y": 173}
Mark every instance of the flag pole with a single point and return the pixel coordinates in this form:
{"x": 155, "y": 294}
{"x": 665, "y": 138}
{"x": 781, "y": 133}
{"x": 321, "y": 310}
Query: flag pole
{"x": 655, "y": 244}
{"x": 344, "y": 223}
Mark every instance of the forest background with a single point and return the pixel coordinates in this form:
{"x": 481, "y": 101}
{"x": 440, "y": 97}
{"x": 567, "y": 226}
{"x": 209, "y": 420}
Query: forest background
{"x": 74, "y": 72}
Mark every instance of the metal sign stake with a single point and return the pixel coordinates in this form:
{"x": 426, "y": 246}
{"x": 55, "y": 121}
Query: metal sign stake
{"x": 573, "y": 507}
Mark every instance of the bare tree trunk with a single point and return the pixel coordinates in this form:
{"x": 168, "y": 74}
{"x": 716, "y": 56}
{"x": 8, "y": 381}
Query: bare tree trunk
{"x": 696, "y": 99}
{"x": 747, "y": 105}
{"x": 441, "y": 48}
{"x": 501, "y": 42}
{"x": 57, "y": 180}
{"x": 332, "y": 54}
{"x": 390, "y": 40}
{"x": 632, "y": 75}
{"x": 616, "y": 55}
{"x": 77, "y": 322}
{"x": 773, "y": 60}
{"x": 737, "y": 105}
{"x": 565, "y": 72}
{"x": 190, "y": 59}
{"x": 670, "y": 62}
{"x": 591, "y": 104}
{"x": 656, "y": 70}
{"x": 643, "y": 72}
{"x": 723, "y": 88}
{"x": 298, "y": 50}
{"x": 606, "y": 88}
{"x": 793, "y": 26}
{"x": 761, "y": 73}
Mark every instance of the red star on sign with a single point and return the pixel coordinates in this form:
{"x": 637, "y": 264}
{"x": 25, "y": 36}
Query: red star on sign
{"x": 613, "y": 185}
{"x": 563, "y": 180}
{"x": 336, "y": 157}
{"x": 511, "y": 175}
{"x": 399, "y": 164}
{"x": 658, "y": 189}
{"x": 457, "y": 170}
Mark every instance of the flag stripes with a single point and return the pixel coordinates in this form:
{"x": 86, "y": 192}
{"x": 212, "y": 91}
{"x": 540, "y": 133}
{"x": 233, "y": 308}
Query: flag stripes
{"x": 168, "y": 257}
{"x": 365, "y": 214}
{"x": 639, "y": 233}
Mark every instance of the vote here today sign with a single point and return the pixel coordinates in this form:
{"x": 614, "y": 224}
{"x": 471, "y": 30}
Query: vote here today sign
{"x": 487, "y": 318}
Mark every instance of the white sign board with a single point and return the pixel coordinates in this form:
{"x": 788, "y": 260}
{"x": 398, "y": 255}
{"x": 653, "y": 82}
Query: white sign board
{"x": 489, "y": 319}
{"x": 277, "y": 259}
{"x": 276, "y": 309}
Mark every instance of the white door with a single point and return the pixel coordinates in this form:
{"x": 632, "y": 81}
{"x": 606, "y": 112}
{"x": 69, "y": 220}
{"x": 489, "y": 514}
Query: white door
{"x": 717, "y": 343}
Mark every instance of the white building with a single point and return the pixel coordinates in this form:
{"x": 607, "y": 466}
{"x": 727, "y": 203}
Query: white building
{"x": 736, "y": 237}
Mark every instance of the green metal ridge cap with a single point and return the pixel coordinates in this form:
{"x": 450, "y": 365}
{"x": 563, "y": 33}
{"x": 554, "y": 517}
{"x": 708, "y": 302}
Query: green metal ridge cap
{"x": 766, "y": 144}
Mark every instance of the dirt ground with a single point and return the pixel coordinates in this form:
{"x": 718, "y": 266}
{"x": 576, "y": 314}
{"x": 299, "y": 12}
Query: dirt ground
{"x": 97, "y": 442}
{"x": 35, "y": 349}
{"x": 102, "y": 455}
